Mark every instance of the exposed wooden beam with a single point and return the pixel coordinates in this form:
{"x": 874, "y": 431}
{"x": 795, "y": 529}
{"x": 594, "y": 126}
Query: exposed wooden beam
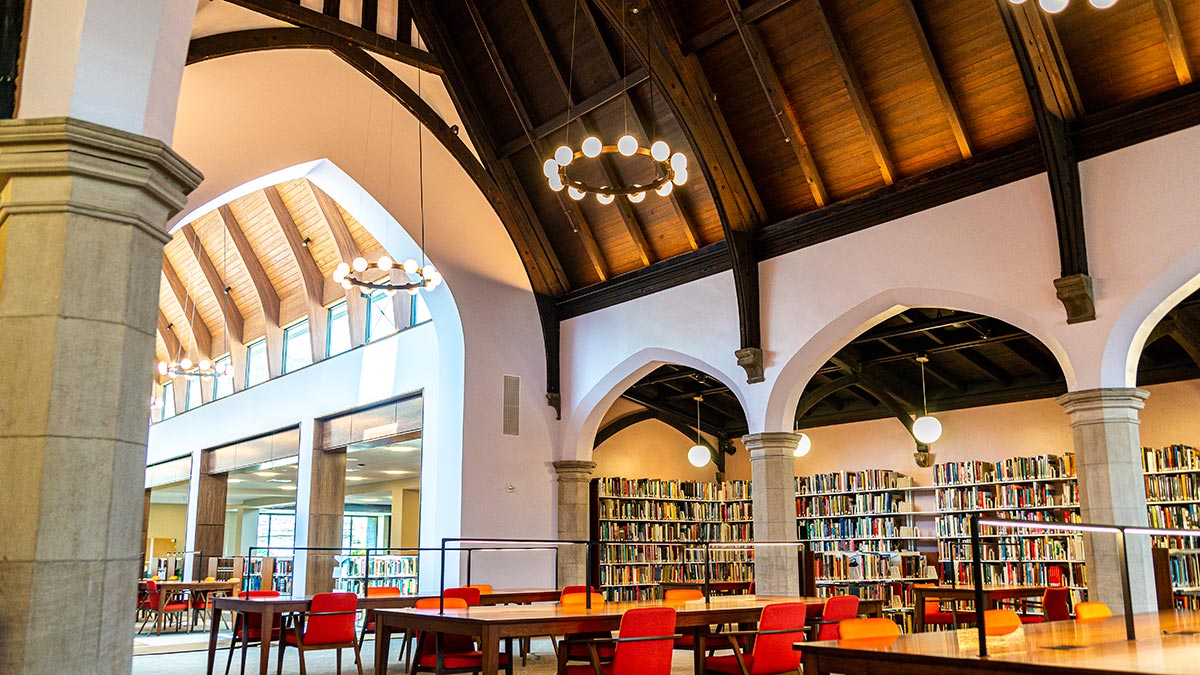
{"x": 332, "y": 8}
{"x": 669, "y": 415}
{"x": 370, "y": 17}
{"x": 810, "y": 400}
{"x": 1187, "y": 332}
{"x": 913, "y": 327}
{"x": 1174, "y": 38}
{"x": 310, "y": 275}
{"x": 230, "y": 314}
{"x": 201, "y": 336}
{"x": 169, "y": 338}
{"x": 727, "y": 26}
{"x": 294, "y": 13}
{"x": 264, "y": 292}
{"x": 1053, "y": 111}
{"x": 937, "y": 73}
{"x": 621, "y": 424}
{"x": 1034, "y": 359}
{"x": 356, "y": 304}
{"x": 986, "y": 366}
{"x": 12, "y": 21}
{"x": 858, "y": 96}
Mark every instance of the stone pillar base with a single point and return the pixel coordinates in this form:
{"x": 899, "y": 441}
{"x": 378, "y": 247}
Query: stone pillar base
{"x": 772, "y": 467}
{"x": 574, "y": 518}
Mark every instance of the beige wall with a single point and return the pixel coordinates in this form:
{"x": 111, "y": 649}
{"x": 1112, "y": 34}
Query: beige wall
{"x": 167, "y": 521}
{"x": 654, "y": 450}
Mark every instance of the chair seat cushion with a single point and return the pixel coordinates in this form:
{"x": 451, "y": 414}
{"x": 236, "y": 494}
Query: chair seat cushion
{"x": 459, "y": 660}
{"x": 175, "y": 607}
{"x": 1032, "y": 618}
{"x": 581, "y": 652}
{"x": 728, "y": 664}
{"x": 688, "y": 641}
{"x": 948, "y": 617}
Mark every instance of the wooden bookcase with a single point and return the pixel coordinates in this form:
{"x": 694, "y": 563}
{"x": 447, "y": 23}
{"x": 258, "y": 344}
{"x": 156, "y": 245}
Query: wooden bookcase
{"x": 649, "y": 529}
{"x": 1172, "y": 477}
{"x": 355, "y": 573}
{"x": 269, "y": 573}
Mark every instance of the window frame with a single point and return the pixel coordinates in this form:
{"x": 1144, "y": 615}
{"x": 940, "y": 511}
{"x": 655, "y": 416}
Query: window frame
{"x": 284, "y": 370}
{"x": 250, "y": 361}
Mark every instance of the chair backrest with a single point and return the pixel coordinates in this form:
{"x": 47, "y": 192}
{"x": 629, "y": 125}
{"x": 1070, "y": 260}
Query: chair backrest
{"x": 258, "y": 594}
{"x": 773, "y": 653}
{"x": 649, "y": 657}
{"x": 1092, "y": 611}
{"x": 864, "y": 629}
{"x": 580, "y": 600}
{"x": 382, "y": 592}
{"x": 837, "y": 608}
{"x": 331, "y": 619}
{"x": 450, "y": 643}
{"x": 433, "y": 603}
{"x": 471, "y": 595}
{"x": 1055, "y": 605}
{"x": 209, "y": 579}
{"x": 574, "y": 590}
{"x": 1000, "y": 621}
{"x": 483, "y": 588}
{"x": 152, "y": 597}
{"x": 683, "y": 595}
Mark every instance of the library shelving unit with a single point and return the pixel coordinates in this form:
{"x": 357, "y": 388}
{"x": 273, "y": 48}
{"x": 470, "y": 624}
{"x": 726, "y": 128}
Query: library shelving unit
{"x": 360, "y": 570}
{"x": 864, "y": 532}
{"x": 1037, "y": 488}
{"x": 268, "y": 572}
{"x": 649, "y": 530}
{"x": 224, "y": 569}
{"x": 1173, "y": 500}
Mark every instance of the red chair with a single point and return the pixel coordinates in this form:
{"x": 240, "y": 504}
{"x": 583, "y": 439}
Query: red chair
{"x": 369, "y": 615}
{"x": 328, "y": 624}
{"x": 837, "y": 609}
{"x": 573, "y": 647}
{"x": 156, "y": 607}
{"x": 449, "y": 653}
{"x": 1055, "y": 606}
{"x": 247, "y": 628}
{"x": 781, "y": 626}
{"x": 934, "y": 616}
{"x": 643, "y": 645}
{"x": 471, "y": 595}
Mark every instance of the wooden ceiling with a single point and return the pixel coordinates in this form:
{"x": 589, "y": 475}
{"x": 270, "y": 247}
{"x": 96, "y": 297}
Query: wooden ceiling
{"x": 260, "y": 246}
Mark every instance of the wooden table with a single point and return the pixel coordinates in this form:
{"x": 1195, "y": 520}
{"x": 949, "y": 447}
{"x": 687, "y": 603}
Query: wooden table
{"x": 991, "y": 595}
{"x": 269, "y": 608}
{"x": 168, "y": 588}
{"x": 716, "y": 587}
{"x": 491, "y": 625}
{"x": 1054, "y": 648}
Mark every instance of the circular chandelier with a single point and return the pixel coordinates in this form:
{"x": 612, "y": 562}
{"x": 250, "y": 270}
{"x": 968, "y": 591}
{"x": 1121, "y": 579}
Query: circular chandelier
{"x": 415, "y": 277}
{"x": 669, "y": 169}
{"x": 1056, "y": 6}
{"x": 186, "y": 368}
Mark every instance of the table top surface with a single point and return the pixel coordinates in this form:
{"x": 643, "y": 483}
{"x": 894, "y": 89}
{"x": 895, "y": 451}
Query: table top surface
{"x": 987, "y": 588}
{"x": 302, "y": 601}
{"x": 195, "y": 585}
{"x": 1168, "y": 644}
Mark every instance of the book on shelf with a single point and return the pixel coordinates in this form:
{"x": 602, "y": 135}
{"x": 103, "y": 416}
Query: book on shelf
{"x": 1172, "y": 484}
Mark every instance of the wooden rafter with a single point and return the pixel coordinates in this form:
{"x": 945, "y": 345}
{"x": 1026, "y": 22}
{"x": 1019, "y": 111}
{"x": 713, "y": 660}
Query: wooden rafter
{"x": 169, "y": 338}
{"x": 854, "y": 87}
{"x": 1174, "y": 38}
{"x": 727, "y": 25}
{"x": 234, "y": 321}
{"x": 264, "y": 291}
{"x": 776, "y": 95}
{"x": 986, "y": 366}
{"x": 370, "y": 17}
{"x": 294, "y": 13}
{"x": 310, "y": 275}
{"x": 937, "y": 72}
{"x": 201, "y": 336}
{"x": 356, "y": 304}
{"x": 816, "y": 396}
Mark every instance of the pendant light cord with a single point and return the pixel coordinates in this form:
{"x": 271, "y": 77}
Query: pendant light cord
{"x": 924, "y": 401}
{"x": 571, "y": 72}
{"x": 421, "y": 172}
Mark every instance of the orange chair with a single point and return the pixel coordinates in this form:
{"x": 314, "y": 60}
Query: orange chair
{"x": 934, "y": 616}
{"x": 369, "y": 615}
{"x": 1054, "y": 606}
{"x": 837, "y": 609}
{"x": 1092, "y": 611}
{"x": 780, "y": 626}
{"x": 572, "y": 647}
{"x": 458, "y": 652}
{"x": 328, "y": 624}
{"x": 874, "y": 631}
{"x": 1000, "y": 621}
{"x": 247, "y": 627}
{"x": 643, "y": 645}
{"x": 485, "y": 589}
{"x": 467, "y": 593}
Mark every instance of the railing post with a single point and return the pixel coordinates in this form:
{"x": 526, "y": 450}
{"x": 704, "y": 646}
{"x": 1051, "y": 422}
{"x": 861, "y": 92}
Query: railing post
{"x": 977, "y": 573}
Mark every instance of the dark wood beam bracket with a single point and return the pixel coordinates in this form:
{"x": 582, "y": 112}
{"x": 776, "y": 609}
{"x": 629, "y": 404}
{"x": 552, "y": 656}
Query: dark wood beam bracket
{"x": 12, "y": 20}
{"x": 745, "y": 283}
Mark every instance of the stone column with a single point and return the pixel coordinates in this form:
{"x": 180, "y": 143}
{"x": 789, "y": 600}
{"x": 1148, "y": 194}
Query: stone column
{"x": 772, "y": 468}
{"x": 82, "y": 215}
{"x": 1111, "y": 490}
{"x": 574, "y": 518}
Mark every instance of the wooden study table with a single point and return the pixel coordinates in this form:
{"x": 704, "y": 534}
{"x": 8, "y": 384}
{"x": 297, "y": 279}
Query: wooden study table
{"x": 991, "y": 595}
{"x": 1167, "y": 644}
{"x": 491, "y": 625}
{"x": 169, "y": 588}
{"x": 269, "y": 608}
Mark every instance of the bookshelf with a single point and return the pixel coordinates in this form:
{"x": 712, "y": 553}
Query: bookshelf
{"x": 224, "y": 569}
{"x": 356, "y": 572}
{"x": 1172, "y": 478}
{"x": 865, "y": 534}
{"x": 269, "y": 573}
{"x": 1038, "y": 488}
{"x": 647, "y": 527}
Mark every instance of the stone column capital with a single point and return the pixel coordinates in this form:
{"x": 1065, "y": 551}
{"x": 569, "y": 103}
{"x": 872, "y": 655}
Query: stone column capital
{"x": 574, "y": 469}
{"x": 1101, "y": 406}
{"x": 771, "y": 444}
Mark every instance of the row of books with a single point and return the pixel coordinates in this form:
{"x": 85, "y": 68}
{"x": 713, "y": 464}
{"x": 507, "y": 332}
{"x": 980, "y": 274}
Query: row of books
{"x": 1185, "y": 516}
{"x": 650, "y": 488}
{"x": 851, "y": 481}
{"x": 958, "y": 473}
{"x": 1037, "y": 467}
{"x": 661, "y": 554}
{"x": 675, "y": 532}
{"x": 1017, "y": 549}
{"x": 407, "y": 586}
{"x": 966, "y": 498}
{"x": 1173, "y": 488}
{"x": 1170, "y": 458}
{"x": 870, "y": 504}
{"x": 384, "y": 566}
{"x": 1185, "y": 572}
{"x": 958, "y": 526}
{"x": 864, "y": 545}
{"x": 1024, "y": 574}
{"x": 859, "y": 566}
{"x": 831, "y": 528}
{"x": 622, "y": 509}
{"x": 626, "y": 575}
{"x": 1040, "y": 494}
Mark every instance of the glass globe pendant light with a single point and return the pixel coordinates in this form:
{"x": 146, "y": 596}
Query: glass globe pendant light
{"x": 698, "y": 455}
{"x": 803, "y": 447}
{"x": 925, "y": 429}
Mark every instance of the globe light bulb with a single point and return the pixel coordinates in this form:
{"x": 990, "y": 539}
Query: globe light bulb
{"x": 346, "y": 284}
{"x": 385, "y": 263}
{"x": 627, "y": 145}
{"x": 563, "y": 155}
{"x": 410, "y": 266}
{"x": 359, "y": 264}
{"x": 665, "y": 189}
{"x": 429, "y": 272}
{"x": 679, "y": 162}
{"x": 185, "y": 363}
{"x": 411, "y": 291}
{"x": 927, "y": 429}
{"x": 591, "y": 147}
{"x": 550, "y": 168}
{"x": 659, "y": 150}
{"x": 603, "y": 198}
{"x": 698, "y": 456}
{"x": 804, "y": 447}
{"x": 556, "y": 183}
{"x": 338, "y": 276}
{"x": 1053, "y": 6}
{"x": 205, "y": 364}
{"x": 575, "y": 193}
{"x": 681, "y": 176}
{"x": 390, "y": 292}
{"x": 342, "y": 269}
{"x": 637, "y": 197}
{"x": 162, "y": 367}
{"x": 1017, "y": 2}
{"x": 1102, "y": 4}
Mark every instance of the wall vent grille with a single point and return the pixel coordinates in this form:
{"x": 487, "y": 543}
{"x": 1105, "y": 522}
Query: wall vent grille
{"x": 512, "y": 405}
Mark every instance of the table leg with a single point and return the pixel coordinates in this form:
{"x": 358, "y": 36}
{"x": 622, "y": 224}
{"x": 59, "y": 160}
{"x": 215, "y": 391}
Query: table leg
{"x": 383, "y": 644}
{"x": 812, "y": 663}
{"x": 264, "y": 647}
{"x": 698, "y": 650}
{"x": 489, "y": 642}
{"x": 212, "y": 639}
{"x": 162, "y": 602}
{"x": 918, "y": 611}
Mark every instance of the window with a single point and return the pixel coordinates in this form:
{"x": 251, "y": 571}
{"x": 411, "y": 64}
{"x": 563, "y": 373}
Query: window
{"x": 339, "y": 329}
{"x": 191, "y": 398}
{"x": 223, "y": 386}
{"x": 168, "y": 397}
{"x": 256, "y": 363}
{"x": 276, "y": 533}
{"x": 297, "y": 349}
{"x": 420, "y": 310}
{"x": 379, "y": 316}
{"x": 359, "y": 532}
